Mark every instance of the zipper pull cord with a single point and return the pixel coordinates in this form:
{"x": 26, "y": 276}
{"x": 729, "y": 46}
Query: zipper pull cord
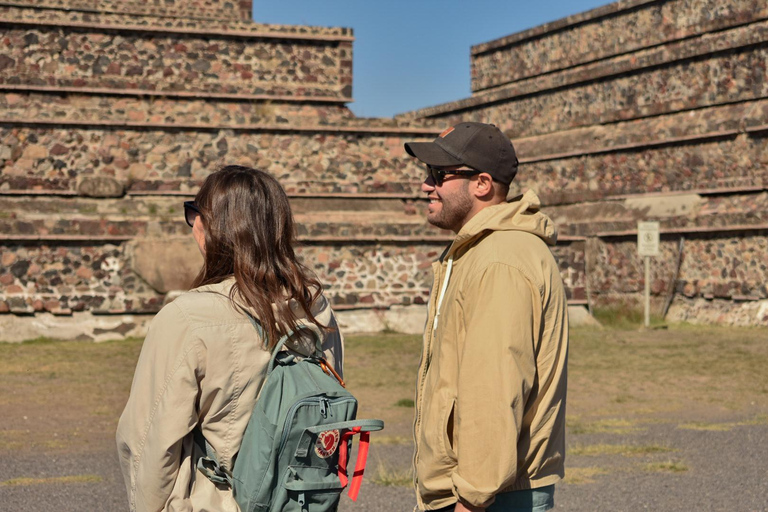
{"x": 442, "y": 293}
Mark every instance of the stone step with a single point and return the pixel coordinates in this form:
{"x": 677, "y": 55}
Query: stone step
{"x": 618, "y": 28}
{"x": 56, "y": 51}
{"x": 685, "y": 75}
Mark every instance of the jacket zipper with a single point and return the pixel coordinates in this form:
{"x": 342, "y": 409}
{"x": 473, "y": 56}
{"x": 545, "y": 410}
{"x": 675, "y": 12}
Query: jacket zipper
{"x": 421, "y": 378}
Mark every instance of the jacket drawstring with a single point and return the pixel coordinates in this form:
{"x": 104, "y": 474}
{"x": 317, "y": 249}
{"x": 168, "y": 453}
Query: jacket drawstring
{"x": 442, "y": 293}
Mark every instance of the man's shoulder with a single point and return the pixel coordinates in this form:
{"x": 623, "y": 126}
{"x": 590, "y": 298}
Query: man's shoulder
{"x": 524, "y": 254}
{"x": 515, "y": 236}
{"x": 508, "y": 247}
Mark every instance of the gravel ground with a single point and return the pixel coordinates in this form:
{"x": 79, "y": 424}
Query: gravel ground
{"x": 727, "y": 471}
{"x": 717, "y": 470}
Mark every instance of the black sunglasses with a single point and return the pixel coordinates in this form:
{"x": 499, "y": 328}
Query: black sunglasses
{"x": 438, "y": 175}
{"x": 191, "y": 211}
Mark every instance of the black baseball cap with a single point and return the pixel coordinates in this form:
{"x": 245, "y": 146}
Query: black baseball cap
{"x": 480, "y": 146}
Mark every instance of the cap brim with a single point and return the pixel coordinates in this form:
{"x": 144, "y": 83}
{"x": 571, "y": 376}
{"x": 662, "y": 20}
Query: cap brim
{"x": 431, "y": 154}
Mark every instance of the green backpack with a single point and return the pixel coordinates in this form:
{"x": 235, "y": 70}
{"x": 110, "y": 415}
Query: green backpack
{"x": 294, "y": 452}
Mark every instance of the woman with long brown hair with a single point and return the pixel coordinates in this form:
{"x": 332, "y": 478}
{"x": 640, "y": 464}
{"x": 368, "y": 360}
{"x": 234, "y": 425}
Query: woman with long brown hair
{"x": 203, "y": 362}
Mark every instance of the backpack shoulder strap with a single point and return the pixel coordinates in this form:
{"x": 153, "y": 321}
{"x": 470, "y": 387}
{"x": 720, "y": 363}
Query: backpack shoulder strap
{"x": 209, "y": 464}
{"x": 318, "y": 342}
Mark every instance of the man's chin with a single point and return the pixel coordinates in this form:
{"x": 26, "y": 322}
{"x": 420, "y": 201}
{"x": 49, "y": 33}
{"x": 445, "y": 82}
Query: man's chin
{"x": 436, "y": 221}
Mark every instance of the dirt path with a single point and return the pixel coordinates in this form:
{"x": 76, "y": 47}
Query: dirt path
{"x": 709, "y": 470}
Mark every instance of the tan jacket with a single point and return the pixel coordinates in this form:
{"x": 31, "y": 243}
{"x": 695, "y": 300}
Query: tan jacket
{"x": 202, "y": 363}
{"x": 490, "y": 397}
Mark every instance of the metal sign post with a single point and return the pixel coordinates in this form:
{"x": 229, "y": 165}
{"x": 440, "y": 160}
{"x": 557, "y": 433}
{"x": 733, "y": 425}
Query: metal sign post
{"x": 648, "y": 246}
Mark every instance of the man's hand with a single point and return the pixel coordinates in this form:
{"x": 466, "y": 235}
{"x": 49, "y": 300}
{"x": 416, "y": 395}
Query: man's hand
{"x": 460, "y": 507}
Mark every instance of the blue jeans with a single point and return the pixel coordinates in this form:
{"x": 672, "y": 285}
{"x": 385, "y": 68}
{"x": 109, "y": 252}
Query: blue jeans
{"x": 529, "y": 500}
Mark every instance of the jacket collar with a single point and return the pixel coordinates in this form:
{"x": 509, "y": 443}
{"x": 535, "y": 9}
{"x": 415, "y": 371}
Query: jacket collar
{"x": 519, "y": 214}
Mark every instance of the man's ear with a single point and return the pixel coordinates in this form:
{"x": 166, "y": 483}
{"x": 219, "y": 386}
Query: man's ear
{"x": 484, "y": 186}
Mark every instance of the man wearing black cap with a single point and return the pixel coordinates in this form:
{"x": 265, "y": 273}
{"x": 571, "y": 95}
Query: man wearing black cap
{"x": 490, "y": 398}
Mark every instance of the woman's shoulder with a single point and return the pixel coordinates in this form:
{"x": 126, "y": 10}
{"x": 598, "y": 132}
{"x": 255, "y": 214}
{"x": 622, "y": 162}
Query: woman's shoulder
{"x": 206, "y": 305}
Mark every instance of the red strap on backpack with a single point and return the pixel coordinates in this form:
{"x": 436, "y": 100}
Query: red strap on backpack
{"x": 362, "y": 456}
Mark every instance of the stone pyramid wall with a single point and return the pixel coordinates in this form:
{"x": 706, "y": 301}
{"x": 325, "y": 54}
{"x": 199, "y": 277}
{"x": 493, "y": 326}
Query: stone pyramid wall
{"x": 644, "y": 110}
{"x": 112, "y": 113}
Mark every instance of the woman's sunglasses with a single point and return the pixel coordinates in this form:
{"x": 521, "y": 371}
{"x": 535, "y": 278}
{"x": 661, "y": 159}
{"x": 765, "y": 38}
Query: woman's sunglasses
{"x": 438, "y": 175}
{"x": 191, "y": 211}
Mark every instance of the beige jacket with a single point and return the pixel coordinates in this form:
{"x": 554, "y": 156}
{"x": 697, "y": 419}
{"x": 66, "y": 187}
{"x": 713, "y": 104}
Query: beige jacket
{"x": 202, "y": 363}
{"x": 490, "y": 397}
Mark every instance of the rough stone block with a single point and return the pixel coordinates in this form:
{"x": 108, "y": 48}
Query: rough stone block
{"x": 723, "y": 312}
{"x": 578, "y": 316}
{"x": 35, "y": 152}
{"x": 101, "y": 187}
{"x": 166, "y": 265}
{"x": 360, "y": 321}
{"x": 77, "y": 326}
{"x": 406, "y": 319}
{"x": 666, "y": 206}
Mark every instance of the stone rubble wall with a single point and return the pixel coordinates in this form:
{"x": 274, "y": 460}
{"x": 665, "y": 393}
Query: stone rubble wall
{"x": 127, "y": 256}
{"x": 62, "y": 159}
{"x": 723, "y": 312}
{"x": 16, "y": 13}
{"x": 713, "y": 266}
{"x": 162, "y": 157}
{"x": 643, "y": 110}
{"x": 111, "y": 117}
{"x": 206, "y": 9}
{"x": 722, "y": 277}
{"x": 67, "y": 278}
{"x": 724, "y": 68}
{"x": 157, "y": 111}
{"x": 674, "y": 128}
{"x": 62, "y": 279}
{"x": 160, "y": 216}
{"x": 676, "y": 213}
{"x": 717, "y": 165}
{"x": 132, "y": 60}
{"x": 721, "y": 273}
{"x": 623, "y": 27}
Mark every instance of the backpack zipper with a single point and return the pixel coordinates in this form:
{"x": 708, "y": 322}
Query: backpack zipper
{"x": 323, "y": 402}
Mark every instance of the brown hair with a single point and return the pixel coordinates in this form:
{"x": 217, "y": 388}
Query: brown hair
{"x": 249, "y": 234}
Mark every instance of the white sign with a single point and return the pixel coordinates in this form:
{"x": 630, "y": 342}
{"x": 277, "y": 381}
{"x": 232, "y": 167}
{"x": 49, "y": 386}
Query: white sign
{"x": 648, "y": 238}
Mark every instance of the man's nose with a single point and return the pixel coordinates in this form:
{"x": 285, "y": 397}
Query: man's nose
{"x": 428, "y": 185}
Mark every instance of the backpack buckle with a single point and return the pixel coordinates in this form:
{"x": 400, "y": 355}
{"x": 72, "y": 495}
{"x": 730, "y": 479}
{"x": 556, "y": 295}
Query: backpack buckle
{"x": 213, "y": 471}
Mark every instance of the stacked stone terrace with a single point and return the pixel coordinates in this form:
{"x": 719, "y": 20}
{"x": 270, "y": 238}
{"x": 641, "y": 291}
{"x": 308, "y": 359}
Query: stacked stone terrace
{"x": 232, "y": 10}
{"x": 111, "y": 115}
{"x": 644, "y": 110}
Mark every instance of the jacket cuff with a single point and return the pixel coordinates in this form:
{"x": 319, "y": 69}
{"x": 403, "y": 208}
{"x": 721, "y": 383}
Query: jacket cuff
{"x": 468, "y": 493}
